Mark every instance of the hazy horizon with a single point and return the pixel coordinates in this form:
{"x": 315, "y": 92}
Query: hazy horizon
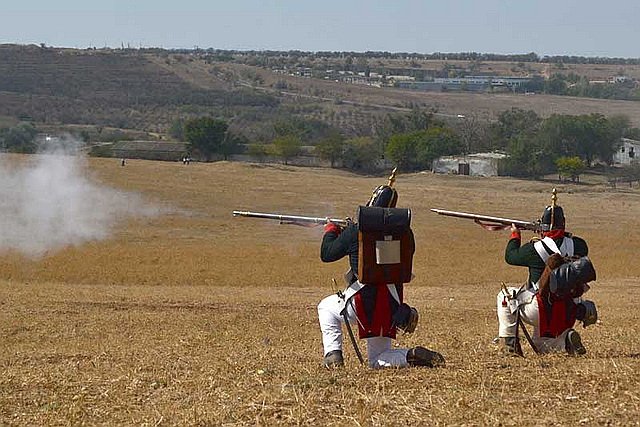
{"x": 580, "y": 28}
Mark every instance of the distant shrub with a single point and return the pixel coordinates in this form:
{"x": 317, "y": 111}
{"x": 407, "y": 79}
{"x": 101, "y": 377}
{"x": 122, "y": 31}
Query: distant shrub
{"x": 101, "y": 151}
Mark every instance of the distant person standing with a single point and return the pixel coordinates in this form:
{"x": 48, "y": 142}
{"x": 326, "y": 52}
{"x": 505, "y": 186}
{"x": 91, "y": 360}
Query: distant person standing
{"x": 123, "y": 162}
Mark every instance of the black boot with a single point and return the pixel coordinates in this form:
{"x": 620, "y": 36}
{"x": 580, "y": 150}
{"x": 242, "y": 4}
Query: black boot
{"x": 333, "y": 359}
{"x": 420, "y": 356}
{"x": 512, "y": 346}
{"x": 573, "y": 344}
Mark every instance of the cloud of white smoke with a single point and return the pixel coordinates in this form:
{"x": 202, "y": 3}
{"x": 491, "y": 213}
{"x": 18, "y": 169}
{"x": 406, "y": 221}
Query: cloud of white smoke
{"x": 48, "y": 202}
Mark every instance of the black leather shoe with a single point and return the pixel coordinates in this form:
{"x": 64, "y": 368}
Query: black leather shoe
{"x": 573, "y": 344}
{"x": 333, "y": 359}
{"x": 420, "y": 356}
{"x": 512, "y": 346}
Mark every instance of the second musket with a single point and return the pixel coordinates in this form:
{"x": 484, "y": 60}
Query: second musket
{"x": 492, "y": 222}
{"x": 293, "y": 219}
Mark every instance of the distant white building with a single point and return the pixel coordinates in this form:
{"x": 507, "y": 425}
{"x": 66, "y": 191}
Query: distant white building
{"x": 479, "y": 164}
{"x": 628, "y": 153}
{"x": 619, "y": 79}
{"x": 401, "y": 78}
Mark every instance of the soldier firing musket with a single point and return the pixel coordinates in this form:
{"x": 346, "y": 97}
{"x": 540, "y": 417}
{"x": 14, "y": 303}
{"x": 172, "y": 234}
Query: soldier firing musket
{"x": 551, "y": 299}
{"x": 380, "y": 247}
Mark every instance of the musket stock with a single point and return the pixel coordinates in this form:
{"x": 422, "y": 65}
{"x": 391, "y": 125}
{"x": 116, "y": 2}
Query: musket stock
{"x": 491, "y": 222}
{"x": 292, "y": 219}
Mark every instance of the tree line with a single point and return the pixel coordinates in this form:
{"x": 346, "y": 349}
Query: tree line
{"x": 535, "y": 146}
{"x": 575, "y": 85}
{"x": 566, "y": 144}
{"x": 538, "y": 146}
{"x": 228, "y": 55}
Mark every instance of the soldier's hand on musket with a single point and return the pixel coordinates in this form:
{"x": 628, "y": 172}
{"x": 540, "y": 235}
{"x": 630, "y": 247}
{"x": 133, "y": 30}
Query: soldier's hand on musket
{"x": 515, "y": 232}
{"x": 332, "y": 227}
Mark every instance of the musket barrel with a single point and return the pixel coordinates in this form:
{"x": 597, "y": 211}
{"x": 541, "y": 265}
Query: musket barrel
{"x": 528, "y": 225}
{"x": 290, "y": 218}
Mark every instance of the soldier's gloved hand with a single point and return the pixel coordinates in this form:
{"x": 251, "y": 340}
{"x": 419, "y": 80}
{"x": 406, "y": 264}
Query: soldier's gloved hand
{"x": 331, "y": 227}
{"x": 515, "y": 232}
{"x": 405, "y": 318}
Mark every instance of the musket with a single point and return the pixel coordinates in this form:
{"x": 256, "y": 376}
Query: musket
{"x": 492, "y": 222}
{"x": 294, "y": 219}
{"x": 308, "y": 220}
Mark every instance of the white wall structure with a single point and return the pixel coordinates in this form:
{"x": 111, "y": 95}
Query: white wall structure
{"x": 628, "y": 153}
{"x": 480, "y": 164}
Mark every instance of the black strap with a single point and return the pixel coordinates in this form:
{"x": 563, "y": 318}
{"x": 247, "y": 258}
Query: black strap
{"x": 353, "y": 339}
{"x": 520, "y": 324}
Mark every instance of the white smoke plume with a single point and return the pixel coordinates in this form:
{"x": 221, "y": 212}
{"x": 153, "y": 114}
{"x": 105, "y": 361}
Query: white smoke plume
{"x": 49, "y": 202}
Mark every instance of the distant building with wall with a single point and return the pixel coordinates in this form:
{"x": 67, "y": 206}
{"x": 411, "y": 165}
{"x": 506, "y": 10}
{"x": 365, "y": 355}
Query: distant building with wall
{"x": 149, "y": 150}
{"x": 478, "y": 164}
{"x": 628, "y": 153}
{"x": 468, "y": 83}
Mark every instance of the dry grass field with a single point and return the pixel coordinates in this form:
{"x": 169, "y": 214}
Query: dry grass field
{"x": 193, "y": 317}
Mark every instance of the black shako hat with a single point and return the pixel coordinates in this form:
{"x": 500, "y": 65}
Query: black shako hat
{"x": 558, "y": 218}
{"x": 384, "y": 196}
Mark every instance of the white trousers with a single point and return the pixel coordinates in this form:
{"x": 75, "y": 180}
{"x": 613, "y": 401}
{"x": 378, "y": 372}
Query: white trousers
{"x": 529, "y": 314}
{"x": 379, "y": 351}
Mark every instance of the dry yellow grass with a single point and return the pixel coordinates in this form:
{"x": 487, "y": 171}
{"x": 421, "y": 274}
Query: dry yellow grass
{"x": 195, "y": 317}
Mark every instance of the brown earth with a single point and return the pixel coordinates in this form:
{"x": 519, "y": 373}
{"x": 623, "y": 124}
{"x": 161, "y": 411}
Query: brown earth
{"x": 199, "y": 318}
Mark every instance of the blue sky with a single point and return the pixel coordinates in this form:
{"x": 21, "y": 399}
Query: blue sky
{"x": 562, "y": 27}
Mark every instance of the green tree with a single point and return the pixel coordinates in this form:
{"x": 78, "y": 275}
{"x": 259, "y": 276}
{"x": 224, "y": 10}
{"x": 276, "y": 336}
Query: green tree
{"x": 258, "y": 152}
{"x": 205, "y": 135}
{"x": 590, "y": 137}
{"x": 176, "y": 130}
{"x": 556, "y": 85}
{"x": 633, "y": 133}
{"x": 305, "y": 129}
{"x": 513, "y": 123}
{"x": 570, "y": 167}
{"x": 361, "y": 154}
{"x": 19, "y": 139}
{"x": 331, "y": 148}
{"x": 435, "y": 142}
{"x": 525, "y": 157}
{"x": 418, "y": 119}
{"x": 231, "y": 144}
{"x": 601, "y": 138}
{"x": 473, "y": 133}
{"x": 417, "y": 150}
{"x": 286, "y": 147}
{"x": 402, "y": 149}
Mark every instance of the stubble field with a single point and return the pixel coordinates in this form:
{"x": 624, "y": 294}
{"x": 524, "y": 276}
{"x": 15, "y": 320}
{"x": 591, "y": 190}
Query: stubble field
{"x": 193, "y": 317}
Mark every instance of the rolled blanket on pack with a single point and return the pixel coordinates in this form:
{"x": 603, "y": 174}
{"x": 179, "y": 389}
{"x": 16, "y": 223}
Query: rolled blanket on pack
{"x": 564, "y": 279}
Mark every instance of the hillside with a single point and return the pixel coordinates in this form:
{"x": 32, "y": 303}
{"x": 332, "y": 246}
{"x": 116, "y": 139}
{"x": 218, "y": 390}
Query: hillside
{"x": 112, "y": 88}
{"x": 148, "y": 90}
